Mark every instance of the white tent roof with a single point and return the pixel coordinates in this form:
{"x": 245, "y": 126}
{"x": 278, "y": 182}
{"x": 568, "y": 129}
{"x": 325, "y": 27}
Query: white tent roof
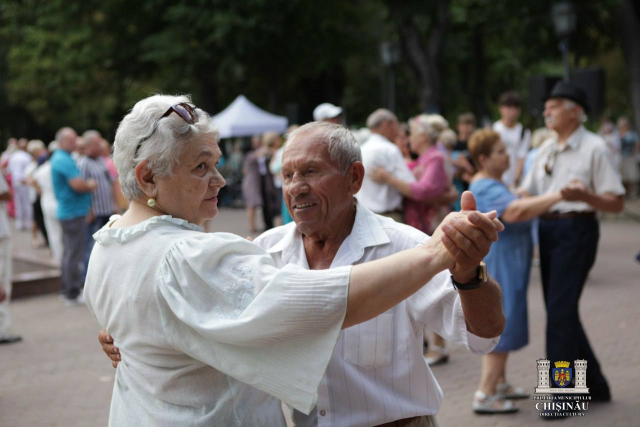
{"x": 243, "y": 118}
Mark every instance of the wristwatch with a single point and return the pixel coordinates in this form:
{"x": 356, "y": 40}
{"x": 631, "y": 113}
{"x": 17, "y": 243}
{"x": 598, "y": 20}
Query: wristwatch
{"x": 481, "y": 277}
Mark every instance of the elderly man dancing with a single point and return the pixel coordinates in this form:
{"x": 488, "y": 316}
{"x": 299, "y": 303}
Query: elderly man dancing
{"x": 377, "y": 374}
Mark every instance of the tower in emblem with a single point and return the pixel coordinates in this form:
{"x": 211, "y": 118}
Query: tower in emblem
{"x": 543, "y": 376}
{"x": 581, "y": 373}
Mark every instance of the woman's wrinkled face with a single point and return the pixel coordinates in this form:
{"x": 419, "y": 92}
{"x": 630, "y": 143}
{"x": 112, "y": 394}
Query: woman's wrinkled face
{"x": 191, "y": 193}
{"x": 418, "y": 140}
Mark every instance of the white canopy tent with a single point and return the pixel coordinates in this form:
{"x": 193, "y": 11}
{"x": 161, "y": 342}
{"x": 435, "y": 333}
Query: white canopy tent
{"x": 243, "y": 118}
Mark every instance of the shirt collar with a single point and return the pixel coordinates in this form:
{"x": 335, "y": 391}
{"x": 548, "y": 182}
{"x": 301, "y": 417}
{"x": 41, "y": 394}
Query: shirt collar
{"x": 366, "y": 232}
{"x": 574, "y": 140}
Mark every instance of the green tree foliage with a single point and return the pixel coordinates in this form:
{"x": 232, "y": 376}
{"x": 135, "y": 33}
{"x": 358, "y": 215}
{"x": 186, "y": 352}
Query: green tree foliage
{"x": 85, "y": 63}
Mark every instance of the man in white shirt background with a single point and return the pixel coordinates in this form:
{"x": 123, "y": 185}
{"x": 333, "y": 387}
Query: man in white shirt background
{"x": 379, "y": 151}
{"x": 377, "y": 374}
{"x": 515, "y": 136}
{"x": 18, "y": 162}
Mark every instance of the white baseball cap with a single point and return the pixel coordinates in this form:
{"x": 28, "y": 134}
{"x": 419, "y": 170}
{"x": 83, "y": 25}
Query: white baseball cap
{"x": 326, "y": 111}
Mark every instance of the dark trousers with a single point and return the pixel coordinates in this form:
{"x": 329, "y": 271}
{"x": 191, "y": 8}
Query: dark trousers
{"x": 568, "y": 250}
{"x": 73, "y": 236}
{"x": 38, "y": 218}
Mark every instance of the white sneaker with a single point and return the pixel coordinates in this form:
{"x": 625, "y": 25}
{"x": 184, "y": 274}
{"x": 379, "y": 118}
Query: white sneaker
{"x": 495, "y": 404}
{"x": 510, "y": 392}
{"x": 80, "y": 299}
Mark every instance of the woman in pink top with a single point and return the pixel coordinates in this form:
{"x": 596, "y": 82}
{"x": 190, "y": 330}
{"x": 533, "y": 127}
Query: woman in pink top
{"x": 422, "y": 197}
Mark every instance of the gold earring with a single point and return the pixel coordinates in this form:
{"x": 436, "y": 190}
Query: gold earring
{"x": 151, "y": 202}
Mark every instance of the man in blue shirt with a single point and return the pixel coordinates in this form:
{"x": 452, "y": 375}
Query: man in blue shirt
{"x": 74, "y": 201}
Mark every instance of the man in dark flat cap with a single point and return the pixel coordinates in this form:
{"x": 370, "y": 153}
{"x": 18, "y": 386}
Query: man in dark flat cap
{"x": 575, "y": 162}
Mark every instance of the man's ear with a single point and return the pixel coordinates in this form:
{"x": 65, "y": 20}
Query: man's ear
{"x": 355, "y": 175}
{"x": 146, "y": 179}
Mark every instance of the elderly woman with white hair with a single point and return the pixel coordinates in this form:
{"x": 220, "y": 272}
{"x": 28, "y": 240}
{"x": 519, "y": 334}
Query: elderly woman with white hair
{"x": 209, "y": 329}
{"x": 432, "y": 179}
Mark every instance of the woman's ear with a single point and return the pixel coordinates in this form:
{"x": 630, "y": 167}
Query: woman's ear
{"x": 146, "y": 179}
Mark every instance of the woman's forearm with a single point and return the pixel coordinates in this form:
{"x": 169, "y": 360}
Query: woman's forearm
{"x": 530, "y": 207}
{"x": 377, "y": 286}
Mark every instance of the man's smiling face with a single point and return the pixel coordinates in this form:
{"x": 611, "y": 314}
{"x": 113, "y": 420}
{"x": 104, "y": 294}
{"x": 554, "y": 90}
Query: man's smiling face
{"x": 316, "y": 192}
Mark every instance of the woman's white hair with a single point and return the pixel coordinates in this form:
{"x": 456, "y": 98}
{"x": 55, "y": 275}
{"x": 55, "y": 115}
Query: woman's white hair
{"x": 430, "y": 124}
{"x": 164, "y": 147}
{"x": 35, "y": 145}
{"x": 343, "y": 147}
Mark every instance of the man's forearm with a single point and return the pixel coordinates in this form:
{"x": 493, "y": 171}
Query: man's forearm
{"x": 605, "y": 202}
{"x": 482, "y": 309}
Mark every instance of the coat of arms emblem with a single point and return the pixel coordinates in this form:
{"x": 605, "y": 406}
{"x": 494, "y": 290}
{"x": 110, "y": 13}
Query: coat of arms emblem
{"x": 562, "y": 374}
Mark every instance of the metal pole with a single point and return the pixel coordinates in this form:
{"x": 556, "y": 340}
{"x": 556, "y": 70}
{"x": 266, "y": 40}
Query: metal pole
{"x": 564, "y": 48}
{"x": 392, "y": 90}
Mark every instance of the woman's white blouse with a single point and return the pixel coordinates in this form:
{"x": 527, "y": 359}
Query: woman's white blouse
{"x": 206, "y": 324}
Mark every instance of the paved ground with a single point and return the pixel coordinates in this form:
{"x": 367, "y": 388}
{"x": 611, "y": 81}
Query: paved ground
{"x": 58, "y": 375}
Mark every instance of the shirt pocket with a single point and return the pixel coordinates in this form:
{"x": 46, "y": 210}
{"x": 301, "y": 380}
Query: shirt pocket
{"x": 370, "y": 344}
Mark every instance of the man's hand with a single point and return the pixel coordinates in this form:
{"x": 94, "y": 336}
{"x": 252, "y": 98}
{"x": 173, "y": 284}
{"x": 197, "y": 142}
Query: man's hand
{"x": 576, "y": 191}
{"x": 380, "y": 175}
{"x": 468, "y": 236}
{"x": 112, "y": 352}
{"x": 3, "y": 294}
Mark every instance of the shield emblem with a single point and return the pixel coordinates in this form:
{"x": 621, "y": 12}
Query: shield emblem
{"x": 562, "y": 376}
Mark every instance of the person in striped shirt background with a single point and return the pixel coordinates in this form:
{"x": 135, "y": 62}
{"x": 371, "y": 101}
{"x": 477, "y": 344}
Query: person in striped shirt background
{"x": 103, "y": 200}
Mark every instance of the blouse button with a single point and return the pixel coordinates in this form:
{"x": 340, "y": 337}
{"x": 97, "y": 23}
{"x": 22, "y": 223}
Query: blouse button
{"x": 323, "y": 413}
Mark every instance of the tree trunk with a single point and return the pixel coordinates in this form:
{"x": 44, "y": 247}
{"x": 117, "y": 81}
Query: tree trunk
{"x": 628, "y": 19}
{"x": 424, "y": 59}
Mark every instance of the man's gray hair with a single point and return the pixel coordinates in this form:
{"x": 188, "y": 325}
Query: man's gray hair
{"x": 164, "y": 147}
{"x": 380, "y": 116}
{"x": 343, "y": 147}
{"x": 91, "y": 134}
{"x": 568, "y": 104}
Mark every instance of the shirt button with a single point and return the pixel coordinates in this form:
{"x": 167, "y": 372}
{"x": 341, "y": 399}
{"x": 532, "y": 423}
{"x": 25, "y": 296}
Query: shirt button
{"x": 323, "y": 413}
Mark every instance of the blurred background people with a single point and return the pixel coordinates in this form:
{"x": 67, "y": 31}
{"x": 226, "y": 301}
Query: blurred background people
{"x": 6, "y": 270}
{"x": 74, "y": 203}
{"x": 49, "y": 204}
{"x": 576, "y": 163}
{"x": 464, "y": 169}
{"x": 327, "y": 112}
{"x": 17, "y": 166}
{"x": 610, "y": 136}
{"x": 514, "y": 135}
{"x": 402, "y": 141}
{"x": 380, "y": 151}
{"x": 509, "y": 262}
{"x": 258, "y": 189}
{"x": 630, "y": 152}
{"x": 103, "y": 199}
{"x": 39, "y": 154}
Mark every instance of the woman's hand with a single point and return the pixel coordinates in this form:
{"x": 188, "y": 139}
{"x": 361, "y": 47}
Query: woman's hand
{"x": 112, "y": 352}
{"x": 468, "y": 236}
{"x": 380, "y": 175}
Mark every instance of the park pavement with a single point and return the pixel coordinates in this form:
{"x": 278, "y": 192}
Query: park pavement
{"x": 58, "y": 376}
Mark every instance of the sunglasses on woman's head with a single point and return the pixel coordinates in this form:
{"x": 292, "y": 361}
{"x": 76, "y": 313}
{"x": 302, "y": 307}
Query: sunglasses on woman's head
{"x": 184, "y": 110}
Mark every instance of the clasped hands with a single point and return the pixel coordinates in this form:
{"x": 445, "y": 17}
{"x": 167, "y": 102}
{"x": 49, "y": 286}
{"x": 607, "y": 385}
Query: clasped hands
{"x": 464, "y": 238}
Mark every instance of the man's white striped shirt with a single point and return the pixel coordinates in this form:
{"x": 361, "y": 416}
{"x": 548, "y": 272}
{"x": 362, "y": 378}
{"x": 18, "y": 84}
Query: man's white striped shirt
{"x": 377, "y": 373}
